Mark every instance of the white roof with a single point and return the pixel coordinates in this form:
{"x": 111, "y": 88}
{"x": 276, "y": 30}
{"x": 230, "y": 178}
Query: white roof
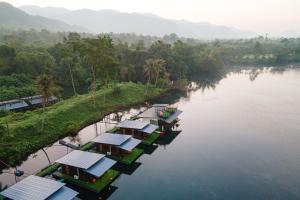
{"x": 80, "y": 159}
{"x": 38, "y": 188}
{"x": 111, "y": 138}
{"x": 132, "y": 124}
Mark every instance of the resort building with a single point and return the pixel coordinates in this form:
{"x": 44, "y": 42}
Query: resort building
{"x": 115, "y": 144}
{"x": 37, "y": 100}
{"x": 85, "y": 166}
{"x": 13, "y": 105}
{"x": 119, "y": 147}
{"x": 161, "y": 114}
{"x": 38, "y": 188}
{"x": 138, "y": 129}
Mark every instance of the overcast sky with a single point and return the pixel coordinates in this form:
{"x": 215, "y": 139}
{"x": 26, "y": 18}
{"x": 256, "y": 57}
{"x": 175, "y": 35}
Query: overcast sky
{"x": 261, "y": 16}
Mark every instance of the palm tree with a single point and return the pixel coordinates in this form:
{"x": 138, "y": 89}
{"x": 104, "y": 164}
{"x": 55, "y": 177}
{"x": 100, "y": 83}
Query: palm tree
{"x": 149, "y": 70}
{"x": 46, "y": 87}
{"x": 68, "y": 61}
{"x": 158, "y": 65}
{"x": 152, "y": 68}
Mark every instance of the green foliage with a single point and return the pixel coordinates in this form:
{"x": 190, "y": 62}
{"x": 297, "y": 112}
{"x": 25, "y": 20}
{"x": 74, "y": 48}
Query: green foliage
{"x": 62, "y": 119}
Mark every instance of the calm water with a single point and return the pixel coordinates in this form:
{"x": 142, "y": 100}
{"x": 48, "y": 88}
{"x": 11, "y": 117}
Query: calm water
{"x": 240, "y": 139}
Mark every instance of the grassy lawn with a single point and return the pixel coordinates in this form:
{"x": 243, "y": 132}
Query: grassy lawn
{"x": 48, "y": 170}
{"x": 130, "y": 158}
{"x": 151, "y": 138}
{"x": 97, "y": 187}
{"x": 64, "y": 118}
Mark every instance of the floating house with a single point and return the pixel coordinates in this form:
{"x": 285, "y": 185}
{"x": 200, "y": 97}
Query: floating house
{"x": 38, "y": 188}
{"x": 13, "y": 105}
{"x": 161, "y": 114}
{"x": 37, "y": 100}
{"x": 119, "y": 146}
{"x": 138, "y": 129}
{"x": 85, "y": 169}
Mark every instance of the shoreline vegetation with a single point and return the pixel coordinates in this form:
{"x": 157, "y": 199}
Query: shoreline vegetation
{"x": 66, "y": 118}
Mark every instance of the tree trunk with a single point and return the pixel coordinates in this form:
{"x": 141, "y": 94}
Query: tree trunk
{"x": 72, "y": 79}
{"x": 7, "y": 127}
{"x": 46, "y": 155}
{"x": 156, "y": 78}
{"x": 147, "y": 85}
{"x": 43, "y": 115}
{"x": 94, "y": 86}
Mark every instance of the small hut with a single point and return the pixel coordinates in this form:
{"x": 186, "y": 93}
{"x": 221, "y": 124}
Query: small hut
{"x": 138, "y": 129}
{"x": 162, "y": 114}
{"x": 37, "y": 100}
{"x": 115, "y": 144}
{"x": 38, "y": 188}
{"x": 13, "y": 105}
{"x": 85, "y": 166}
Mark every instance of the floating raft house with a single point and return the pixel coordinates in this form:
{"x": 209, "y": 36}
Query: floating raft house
{"x": 118, "y": 146}
{"x": 88, "y": 170}
{"x": 162, "y": 114}
{"x": 38, "y": 188}
{"x": 139, "y": 130}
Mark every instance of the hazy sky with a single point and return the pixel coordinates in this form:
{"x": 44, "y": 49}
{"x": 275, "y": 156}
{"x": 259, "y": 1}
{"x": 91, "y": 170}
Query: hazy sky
{"x": 261, "y": 16}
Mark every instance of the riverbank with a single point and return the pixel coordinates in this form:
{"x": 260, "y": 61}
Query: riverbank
{"x": 65, "y": 118}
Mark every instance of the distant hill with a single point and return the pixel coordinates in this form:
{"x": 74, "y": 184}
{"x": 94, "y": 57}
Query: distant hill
{"x": 14, "y": 18}
{"x": 104, "y": 21}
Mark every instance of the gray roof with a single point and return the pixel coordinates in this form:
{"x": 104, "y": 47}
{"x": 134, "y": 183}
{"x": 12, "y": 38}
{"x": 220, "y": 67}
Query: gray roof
{"x": 38, "y": 99}
{"x": 80, "y": 159}
{"x": 99, "y": 168}
{"x": 151, "y": 113}
{"x": 111, "y": 138}
{"x": 64, "y": 193}
{"x": 132, "y": 124}
{"x": 37, "y": 188}
{"x": 130, "y": 144}
{"x": 172, "y": 117}
{"x": 13, "y": 104}
{"x": 150, "y": 128}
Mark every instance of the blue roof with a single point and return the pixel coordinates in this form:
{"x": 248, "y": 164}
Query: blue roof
{"x": 111, "y": 138}
{"x": 130, "y": 144}
{"x": 80, "y": 159}
{"x": 38, "y": 99}
{"x": 150, "y": 128}
{"x": 13, "y": 104}
{"x": 132, "y": 124}
{"x": 34, "y": 187}
{"x": 64, "y": 193}
{"x": 99, "y": 168}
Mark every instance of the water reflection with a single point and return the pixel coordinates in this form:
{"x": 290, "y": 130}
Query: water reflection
{"x": 127, "y": 169}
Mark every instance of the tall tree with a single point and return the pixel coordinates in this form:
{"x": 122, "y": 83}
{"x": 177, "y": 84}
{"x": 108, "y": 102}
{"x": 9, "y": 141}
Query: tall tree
{"x": 46, "y": 87}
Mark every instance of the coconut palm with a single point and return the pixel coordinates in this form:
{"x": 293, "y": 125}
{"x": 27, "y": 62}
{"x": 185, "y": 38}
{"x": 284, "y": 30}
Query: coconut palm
{"x": 152, "y": 69}
{"x": 158, "y": 65}
{"x": 46, "y": 87}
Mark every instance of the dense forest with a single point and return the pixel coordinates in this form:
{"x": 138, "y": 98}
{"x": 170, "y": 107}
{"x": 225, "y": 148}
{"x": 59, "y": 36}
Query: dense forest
{"x": 78, "y": 61}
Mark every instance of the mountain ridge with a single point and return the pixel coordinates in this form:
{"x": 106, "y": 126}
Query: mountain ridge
{"x": 14, "y": 18}
{"x": 105, "y": 21}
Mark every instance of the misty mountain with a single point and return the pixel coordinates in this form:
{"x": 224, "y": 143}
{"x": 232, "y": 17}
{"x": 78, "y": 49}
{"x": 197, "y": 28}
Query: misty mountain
{"x": 14, "y": 18}
{"x": 105, "y": 21}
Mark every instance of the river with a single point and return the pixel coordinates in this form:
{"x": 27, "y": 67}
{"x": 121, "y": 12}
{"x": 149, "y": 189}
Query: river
{"x": 240, "y": 140}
